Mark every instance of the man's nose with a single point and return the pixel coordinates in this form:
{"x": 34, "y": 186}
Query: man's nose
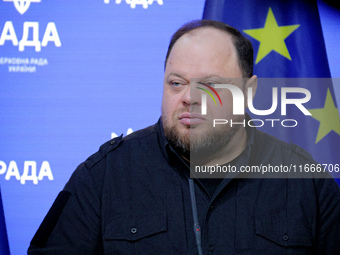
{"x": 192, "y": 95}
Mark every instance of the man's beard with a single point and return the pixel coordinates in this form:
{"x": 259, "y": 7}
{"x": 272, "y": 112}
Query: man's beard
{"x": 197, "y": 145}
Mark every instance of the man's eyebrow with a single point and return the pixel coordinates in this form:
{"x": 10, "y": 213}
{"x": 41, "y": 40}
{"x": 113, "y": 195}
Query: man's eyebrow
{"x": 203, "y": 77}
{"x": 211, "y": 76}
{"x": 176, "y": 74}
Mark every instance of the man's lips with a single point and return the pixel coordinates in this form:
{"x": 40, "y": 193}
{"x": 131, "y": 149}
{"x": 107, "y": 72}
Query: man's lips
{"x": 187, "y": 118}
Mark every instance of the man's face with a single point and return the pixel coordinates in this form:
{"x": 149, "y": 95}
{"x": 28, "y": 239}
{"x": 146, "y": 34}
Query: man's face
{"x": 203, "y": 55}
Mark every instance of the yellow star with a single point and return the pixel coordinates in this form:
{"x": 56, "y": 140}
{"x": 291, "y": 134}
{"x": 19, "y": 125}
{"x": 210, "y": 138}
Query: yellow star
{"x": 271, "y": 37}
{"x": 328, "y": 116}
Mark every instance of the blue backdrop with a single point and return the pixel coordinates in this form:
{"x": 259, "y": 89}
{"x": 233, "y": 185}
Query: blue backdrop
{"x": 98, "y": 72}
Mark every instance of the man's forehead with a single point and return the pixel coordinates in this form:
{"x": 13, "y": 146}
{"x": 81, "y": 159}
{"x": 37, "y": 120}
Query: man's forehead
{"x": 203, "y": 52}
{"x": 205, "y": 41}
{"x": 208, "y": 32}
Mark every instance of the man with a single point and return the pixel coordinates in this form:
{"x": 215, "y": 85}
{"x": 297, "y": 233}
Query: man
{"x": 135, "y": 195}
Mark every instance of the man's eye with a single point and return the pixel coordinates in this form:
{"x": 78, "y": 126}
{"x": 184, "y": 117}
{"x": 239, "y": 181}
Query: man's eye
{"x": 175, "y": 84}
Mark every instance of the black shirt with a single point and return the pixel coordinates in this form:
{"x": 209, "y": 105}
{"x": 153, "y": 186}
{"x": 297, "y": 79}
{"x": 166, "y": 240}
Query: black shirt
{"x": 211, "y": 184}
{"x": 132, "y": 197}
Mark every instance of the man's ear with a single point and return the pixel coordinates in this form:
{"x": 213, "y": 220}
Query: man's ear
{"x": 251, "y": 83}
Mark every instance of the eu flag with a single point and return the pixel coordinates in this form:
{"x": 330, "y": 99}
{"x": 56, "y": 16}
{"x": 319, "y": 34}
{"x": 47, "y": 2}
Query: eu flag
{"x": 288, "y": 43}
{"x": 4, "y": 247}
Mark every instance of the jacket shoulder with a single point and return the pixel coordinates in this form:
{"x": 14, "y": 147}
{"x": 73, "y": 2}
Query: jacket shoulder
{"x": 103, "y": 151}
{"x": 121, "y": 143}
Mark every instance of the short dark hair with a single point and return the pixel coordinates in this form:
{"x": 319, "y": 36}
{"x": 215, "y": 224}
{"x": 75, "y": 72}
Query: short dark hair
{"x": 243, "y": 46}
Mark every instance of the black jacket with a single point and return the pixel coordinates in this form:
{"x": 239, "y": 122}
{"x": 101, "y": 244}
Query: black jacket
{"x": 132, "y": 197}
